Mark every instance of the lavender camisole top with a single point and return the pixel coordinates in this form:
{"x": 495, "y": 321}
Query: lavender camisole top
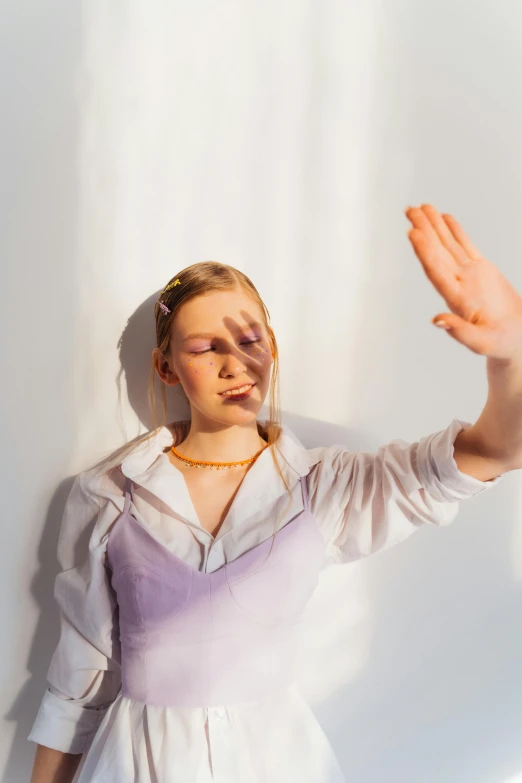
{"x": 196, "y": 639}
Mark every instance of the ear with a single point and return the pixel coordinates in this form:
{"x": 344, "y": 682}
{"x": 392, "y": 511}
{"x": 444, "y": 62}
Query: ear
{"x": 163, "y": 368}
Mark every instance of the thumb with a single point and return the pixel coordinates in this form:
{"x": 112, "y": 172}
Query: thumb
{"x": 470, "y": 335}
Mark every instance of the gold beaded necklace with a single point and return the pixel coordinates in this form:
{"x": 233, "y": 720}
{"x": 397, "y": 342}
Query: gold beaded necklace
{"x": 216, "y": 465}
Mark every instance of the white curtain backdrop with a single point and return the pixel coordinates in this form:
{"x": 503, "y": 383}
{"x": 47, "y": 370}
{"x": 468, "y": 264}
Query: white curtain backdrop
{"x": 286, "y": 139}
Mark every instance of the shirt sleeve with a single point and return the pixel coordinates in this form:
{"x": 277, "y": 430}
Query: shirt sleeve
{"x": 368, "y": 502}
{"x": 84, "y": 673}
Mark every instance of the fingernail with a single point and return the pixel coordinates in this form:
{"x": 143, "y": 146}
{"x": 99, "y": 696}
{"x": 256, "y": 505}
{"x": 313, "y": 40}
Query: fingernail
{"x": 442, "y": 324}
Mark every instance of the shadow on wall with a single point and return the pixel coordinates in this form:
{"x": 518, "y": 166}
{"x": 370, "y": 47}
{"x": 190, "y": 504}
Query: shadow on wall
{"x": 135, "y": 346}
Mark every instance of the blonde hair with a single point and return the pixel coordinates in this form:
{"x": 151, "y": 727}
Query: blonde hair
{"x": 197, "y": 280}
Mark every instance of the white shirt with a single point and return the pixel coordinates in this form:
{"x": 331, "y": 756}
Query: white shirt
{"x": 362, "y": 502}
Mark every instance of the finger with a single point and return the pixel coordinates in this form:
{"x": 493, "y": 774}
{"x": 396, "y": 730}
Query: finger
{"x": 461, "y": 236}
{"x": 440, "y": 274}
{"x": 434, "y": 249}
{"x": 445, "y": 235}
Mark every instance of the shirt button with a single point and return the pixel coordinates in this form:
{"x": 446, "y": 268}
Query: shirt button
{"x": 219, "y": 714}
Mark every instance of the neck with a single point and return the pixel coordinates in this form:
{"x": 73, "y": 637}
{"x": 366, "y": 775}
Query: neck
{"x": 229, "y": 444}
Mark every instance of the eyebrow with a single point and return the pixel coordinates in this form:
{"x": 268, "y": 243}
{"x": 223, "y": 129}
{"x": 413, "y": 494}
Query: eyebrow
{"x": 211, "y": 334}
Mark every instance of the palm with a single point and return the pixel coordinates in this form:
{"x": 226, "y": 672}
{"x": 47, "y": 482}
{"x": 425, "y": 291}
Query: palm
{"x": 488, "y": 308}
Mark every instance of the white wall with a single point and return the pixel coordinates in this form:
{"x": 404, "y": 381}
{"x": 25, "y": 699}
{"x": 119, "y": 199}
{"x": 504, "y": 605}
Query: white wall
{"x": 286, "y": 140}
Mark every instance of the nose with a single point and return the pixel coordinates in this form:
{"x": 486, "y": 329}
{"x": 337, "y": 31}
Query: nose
{"x": 232, "y": 365}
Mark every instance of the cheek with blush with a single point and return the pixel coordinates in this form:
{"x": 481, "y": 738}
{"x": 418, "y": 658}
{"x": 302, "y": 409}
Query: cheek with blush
{"x": 263, "y": 354}
{"x": 196, "y": 368}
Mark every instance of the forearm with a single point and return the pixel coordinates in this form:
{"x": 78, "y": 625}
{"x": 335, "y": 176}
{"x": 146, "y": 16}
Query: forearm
{"x": 53, "y": 766}
{"x": 497, "y": 433}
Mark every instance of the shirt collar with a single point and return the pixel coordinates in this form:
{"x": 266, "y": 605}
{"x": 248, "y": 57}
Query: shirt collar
{"x": 150, "y": 467}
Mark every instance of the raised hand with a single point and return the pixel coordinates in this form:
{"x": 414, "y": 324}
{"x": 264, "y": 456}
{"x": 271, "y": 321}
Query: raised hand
{"x": 486, "y": 310}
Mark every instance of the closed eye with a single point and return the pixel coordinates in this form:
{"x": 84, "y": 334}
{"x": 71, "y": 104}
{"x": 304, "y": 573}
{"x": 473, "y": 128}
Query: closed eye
{"x": 198, "y": 353}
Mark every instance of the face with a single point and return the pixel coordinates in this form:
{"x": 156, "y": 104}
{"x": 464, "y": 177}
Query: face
{"x": 218, "y": 341}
